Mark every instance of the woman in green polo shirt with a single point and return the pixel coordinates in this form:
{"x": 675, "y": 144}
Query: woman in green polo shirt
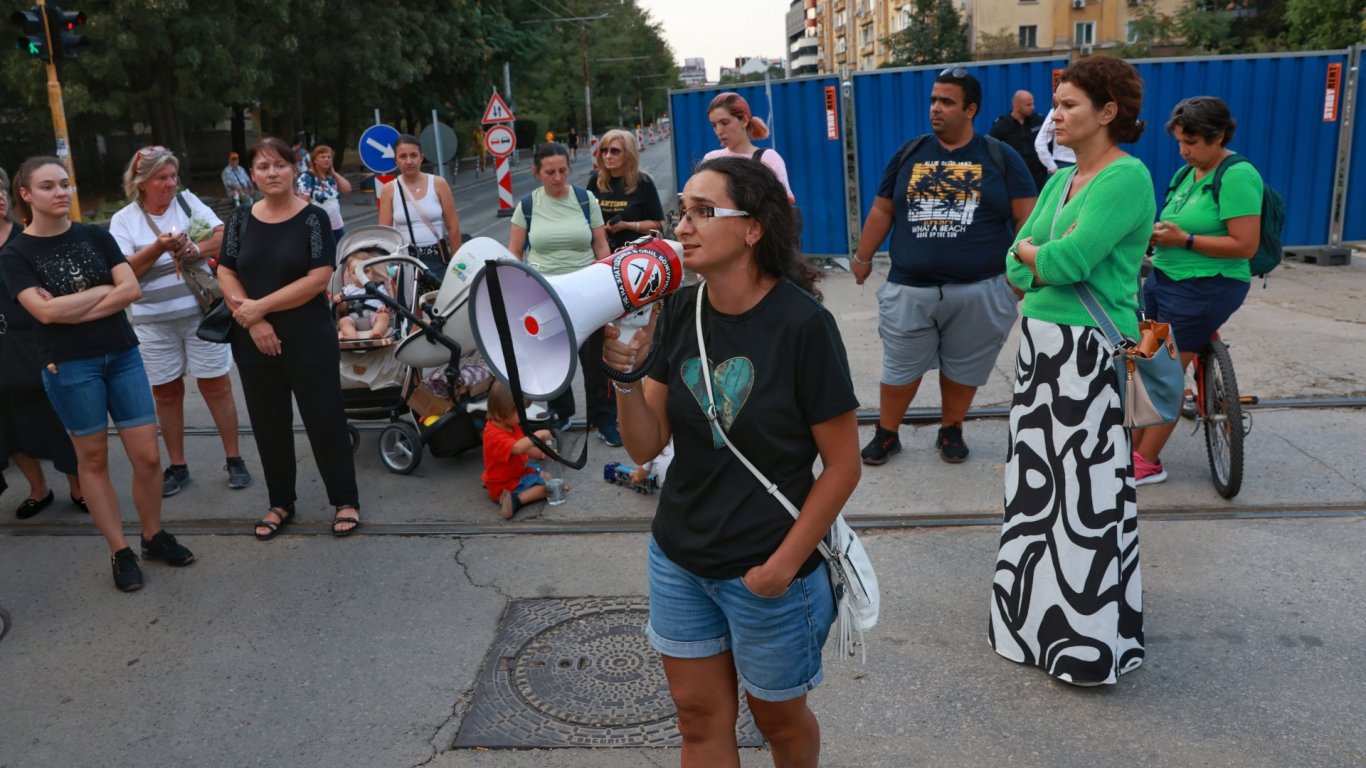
{"x": 1200, "y": 265}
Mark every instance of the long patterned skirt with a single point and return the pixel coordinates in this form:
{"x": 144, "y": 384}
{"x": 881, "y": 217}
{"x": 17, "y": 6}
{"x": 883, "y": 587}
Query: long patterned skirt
{"x": 1067, "y": 595}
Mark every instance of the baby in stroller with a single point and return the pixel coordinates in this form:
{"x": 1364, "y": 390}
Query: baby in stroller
{"x": 357, "y": 314}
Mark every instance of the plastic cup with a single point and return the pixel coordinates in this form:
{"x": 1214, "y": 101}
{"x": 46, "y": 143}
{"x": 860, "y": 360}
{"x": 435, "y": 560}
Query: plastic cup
{"x": 554, "y": 490}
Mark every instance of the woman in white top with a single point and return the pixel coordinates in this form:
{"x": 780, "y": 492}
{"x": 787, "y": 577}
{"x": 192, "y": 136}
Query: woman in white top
{"x": 422, "y": 208}
{"x": 737, "y": 130}
{"x": 156, "y": 232}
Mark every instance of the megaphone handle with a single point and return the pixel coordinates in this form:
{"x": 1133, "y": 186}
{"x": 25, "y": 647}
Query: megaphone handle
{"x": 626, "y": 329}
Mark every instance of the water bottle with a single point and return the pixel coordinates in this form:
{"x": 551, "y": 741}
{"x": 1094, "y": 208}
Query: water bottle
{"x": 554, "y": 483}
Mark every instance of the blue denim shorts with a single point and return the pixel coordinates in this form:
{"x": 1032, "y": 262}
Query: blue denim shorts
{"x": 86, "y": 393}
{"x": 530, "y": 480}
{"x": 776, "y": 641}
{"x": 1196, "y": 307}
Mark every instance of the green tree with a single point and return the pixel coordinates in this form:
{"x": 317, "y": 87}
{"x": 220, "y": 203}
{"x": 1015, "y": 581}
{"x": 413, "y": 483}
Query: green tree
{"x": 935, "y": 35}
{"x": 1002, "y": 42}
{"x": 1319, "y": 24}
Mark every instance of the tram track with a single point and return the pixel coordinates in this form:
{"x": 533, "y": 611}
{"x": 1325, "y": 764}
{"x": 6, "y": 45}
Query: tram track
{"x": 871, "y": 523}
{"x": 868, "y": 416}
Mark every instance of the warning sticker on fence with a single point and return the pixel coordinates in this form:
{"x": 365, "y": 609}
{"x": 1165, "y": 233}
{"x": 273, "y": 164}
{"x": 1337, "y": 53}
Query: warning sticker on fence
{"x": 1330, "y": 92}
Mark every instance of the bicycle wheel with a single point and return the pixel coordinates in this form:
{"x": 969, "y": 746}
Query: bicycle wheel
{"x": 1223, "y": 419}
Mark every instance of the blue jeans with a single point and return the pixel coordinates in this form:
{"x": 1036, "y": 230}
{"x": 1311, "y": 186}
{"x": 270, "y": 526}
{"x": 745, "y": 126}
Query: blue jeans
{"x": 87, "y": 392}
{"x": 776, "y": 641}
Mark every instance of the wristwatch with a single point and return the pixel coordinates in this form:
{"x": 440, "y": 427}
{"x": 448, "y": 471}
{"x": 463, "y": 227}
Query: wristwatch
{"x": 1190, "y": 242}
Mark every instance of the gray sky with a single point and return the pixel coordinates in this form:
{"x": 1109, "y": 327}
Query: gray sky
{"x": 720, "y": 30}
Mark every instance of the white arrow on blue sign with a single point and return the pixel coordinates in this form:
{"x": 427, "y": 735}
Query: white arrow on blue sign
{"x": 377, "y": 148}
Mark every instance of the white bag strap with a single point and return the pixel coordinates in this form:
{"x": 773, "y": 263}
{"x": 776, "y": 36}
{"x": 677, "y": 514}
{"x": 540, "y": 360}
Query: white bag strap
{"x": 710, "y": 411}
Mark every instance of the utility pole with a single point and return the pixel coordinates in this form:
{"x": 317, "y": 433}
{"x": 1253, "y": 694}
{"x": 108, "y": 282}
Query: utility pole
{"x": 583, "y": 40}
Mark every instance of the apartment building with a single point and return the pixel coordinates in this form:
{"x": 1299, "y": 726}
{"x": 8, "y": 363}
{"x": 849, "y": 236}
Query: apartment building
{"x": 803, "y": 50}
{"x": 693, "y": 73}
{"x": 850, "y": 33}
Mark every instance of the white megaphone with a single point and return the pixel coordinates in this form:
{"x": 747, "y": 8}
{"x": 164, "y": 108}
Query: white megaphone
{"x": 549, "y": 318}
{"x": 420, "y": 349}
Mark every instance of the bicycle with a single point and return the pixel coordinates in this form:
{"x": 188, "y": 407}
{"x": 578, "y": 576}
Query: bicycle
{"x": 1213, "y": 401}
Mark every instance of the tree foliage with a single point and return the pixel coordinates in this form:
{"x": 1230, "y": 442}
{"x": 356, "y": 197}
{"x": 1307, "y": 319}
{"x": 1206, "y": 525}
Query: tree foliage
{"x": 1245, "y": 26}
{"x": 165, "y": 71}
{"x": 936, "y": 34}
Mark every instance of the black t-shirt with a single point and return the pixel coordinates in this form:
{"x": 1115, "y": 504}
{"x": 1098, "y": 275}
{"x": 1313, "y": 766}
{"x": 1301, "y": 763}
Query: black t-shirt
{"x": 1020, "y": 137}
{"x": 80, "y": 258}
{"x": 271, "y": 256}
{"x": 641, "y": 205}
{"x": 951, "y": 219}
{"x": 780, "y": 368}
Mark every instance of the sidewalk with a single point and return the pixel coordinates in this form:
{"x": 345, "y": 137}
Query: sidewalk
{"x": 307, "y": 651}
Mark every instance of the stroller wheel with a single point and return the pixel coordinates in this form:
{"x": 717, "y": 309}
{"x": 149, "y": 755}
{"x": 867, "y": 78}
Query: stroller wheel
{"x": 354, "y": 434}
{"x": 400, "y": 447}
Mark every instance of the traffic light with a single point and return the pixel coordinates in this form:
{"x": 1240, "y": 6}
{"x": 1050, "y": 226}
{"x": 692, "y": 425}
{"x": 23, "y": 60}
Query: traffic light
{"x": 66, "y": 42}
{"x": 33, "y": 41}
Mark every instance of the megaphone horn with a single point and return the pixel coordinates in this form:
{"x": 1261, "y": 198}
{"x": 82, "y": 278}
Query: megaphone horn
{"x": 549, "y": 318}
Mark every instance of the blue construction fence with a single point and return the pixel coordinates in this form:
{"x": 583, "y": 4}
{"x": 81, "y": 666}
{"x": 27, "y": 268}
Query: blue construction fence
{"x": 1354, "y": 211}
{"x": 1287, "y": 125}
{"x": 800, "y": 115}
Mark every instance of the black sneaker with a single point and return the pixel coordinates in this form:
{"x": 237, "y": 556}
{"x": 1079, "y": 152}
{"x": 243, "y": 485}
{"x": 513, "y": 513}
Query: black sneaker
{"x": 881, "y": 447}
{"x": 163, "y": 546}
{"x": 950, "y": 444}
{"x": 238, "y": 476}
{"x": 175, "y": 477}
{"x": 127, "y": 574}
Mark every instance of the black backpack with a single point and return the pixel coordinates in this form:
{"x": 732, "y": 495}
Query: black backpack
{"x": 994, "y": 145}
{"x": 1269, "y": 251}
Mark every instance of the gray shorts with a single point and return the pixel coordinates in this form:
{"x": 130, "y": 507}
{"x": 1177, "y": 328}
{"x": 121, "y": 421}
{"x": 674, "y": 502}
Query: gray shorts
{"x": 958, "y": 329}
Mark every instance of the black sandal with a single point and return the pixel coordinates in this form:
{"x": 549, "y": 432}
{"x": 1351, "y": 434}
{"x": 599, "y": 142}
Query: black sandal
{"x": 338, "y": 519}
{"x": 273, "y": 527}
{"x": 79, "y": 501}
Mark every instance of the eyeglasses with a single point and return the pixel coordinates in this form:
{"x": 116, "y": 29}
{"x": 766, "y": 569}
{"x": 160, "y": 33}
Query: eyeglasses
{"x": 958, "y": 72}
{"x": 699, "y": 215}
{"x": 148, "y": 153}
{"x": 613, "y": 151}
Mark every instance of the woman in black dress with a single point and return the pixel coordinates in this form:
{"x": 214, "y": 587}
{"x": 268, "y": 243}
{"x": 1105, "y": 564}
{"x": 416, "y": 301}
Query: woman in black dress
{"x": 276, "y": 263}
{"x": 29, "y": 428}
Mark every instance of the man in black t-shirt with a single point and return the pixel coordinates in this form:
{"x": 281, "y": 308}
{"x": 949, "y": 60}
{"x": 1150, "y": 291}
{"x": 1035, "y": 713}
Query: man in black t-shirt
{"x": 952, "y": 201}
{"x": 1018, "y": 128}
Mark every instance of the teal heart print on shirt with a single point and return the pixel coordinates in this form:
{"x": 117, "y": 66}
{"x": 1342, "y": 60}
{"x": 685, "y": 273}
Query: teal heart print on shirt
{"x": 732, "y": 381}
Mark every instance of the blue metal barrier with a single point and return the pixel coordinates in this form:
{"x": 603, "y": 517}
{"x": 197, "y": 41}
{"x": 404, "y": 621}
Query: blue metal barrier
{"x": 1277, "y": 100}
{"x": 892, "y": 106}
{"x": 815, "y": 163}
{"x": 1354, "y": 217}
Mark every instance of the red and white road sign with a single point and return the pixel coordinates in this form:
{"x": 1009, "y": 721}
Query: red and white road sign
{"x": 497, "y": 111}
{"x": 503, "y": 172}
{"x": 380, "y": 180}
{"x": 500, "y": 141}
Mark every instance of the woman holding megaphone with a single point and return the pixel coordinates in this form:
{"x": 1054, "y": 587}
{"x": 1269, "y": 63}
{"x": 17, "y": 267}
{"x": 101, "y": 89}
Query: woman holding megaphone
{"x": 736, "y": 584}
{"x": 558, "y": 229}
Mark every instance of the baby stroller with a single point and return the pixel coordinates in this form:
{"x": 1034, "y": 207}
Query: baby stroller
{"x": 423, "y": 374}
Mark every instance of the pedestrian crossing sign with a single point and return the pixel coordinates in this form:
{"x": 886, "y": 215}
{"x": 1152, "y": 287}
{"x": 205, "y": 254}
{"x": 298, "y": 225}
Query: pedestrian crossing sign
{"x": 497, "y": 111}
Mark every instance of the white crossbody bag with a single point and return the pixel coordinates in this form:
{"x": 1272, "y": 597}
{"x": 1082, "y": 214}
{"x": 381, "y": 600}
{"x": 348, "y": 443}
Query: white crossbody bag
{"x": 852, "y": 578}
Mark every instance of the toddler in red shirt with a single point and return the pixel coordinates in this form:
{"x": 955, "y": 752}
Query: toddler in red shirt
{"x": 511, "y": 480}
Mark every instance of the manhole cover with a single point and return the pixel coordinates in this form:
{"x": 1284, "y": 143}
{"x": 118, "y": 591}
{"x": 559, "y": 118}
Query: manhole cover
{"x": 575, "y": 672}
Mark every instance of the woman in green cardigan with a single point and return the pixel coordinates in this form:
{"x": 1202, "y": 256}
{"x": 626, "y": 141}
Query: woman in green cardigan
{"x": 1067, "y": 594}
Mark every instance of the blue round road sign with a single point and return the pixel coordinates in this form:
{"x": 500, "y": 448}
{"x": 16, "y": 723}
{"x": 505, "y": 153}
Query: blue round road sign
{"x": 377, "y": 148}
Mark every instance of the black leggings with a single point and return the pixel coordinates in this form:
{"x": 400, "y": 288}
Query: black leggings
{"x": 597, "y": 388}
{"x": 267, "y": 388}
